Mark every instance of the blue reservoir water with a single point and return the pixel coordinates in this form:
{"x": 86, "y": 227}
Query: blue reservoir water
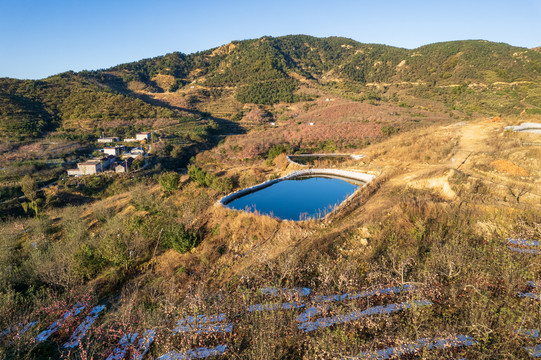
{"x": 297, "y": 199}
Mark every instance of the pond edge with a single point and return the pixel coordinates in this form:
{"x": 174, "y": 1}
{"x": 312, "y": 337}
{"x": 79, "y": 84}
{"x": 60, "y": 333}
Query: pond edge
{"x": 347, "y": 174}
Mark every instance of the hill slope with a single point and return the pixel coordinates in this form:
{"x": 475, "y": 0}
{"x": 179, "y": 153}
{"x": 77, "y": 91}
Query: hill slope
{"x": 29, "y": 107}
{"x": 431, "y": 230}
{"x": 471, "y": 76}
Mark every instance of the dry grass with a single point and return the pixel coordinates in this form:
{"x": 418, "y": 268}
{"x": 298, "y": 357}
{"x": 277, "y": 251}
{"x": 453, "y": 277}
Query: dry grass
{"x": 402, "y": 228}
{"x": 433, "y": 145}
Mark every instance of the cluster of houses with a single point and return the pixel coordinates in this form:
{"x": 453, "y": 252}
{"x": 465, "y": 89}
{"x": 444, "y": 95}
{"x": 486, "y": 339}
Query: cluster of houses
{"x": 115, "y": 158}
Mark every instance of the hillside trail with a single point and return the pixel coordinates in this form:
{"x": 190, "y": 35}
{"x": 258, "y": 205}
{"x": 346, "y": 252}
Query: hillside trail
{"x": 472, "y": 139}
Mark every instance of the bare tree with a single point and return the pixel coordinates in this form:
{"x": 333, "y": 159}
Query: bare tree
{"x": 518, "y": 191}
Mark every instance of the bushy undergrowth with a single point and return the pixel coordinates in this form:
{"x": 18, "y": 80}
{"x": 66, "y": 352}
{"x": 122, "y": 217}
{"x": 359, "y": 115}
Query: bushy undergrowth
{"x": 178, "y": 238}
{"x": 450, "y": 252}
{"x": 99, "y": 252}
{"x": 445, "y": 250}
{"x": 277, "y": 150}
{"x": 202, "y": 178}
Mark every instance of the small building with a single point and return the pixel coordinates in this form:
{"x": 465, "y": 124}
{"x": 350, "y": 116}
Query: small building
{"x": 142, "y": 136}
{"x": 90, "y": 167}
{"x": 74, "y": 172}
{"x": 106, "y": 161}
{"x": 133, "y": 153}
{"x": 113, "y": 150}
{"x": 131, "y": 140}
{"x": 94, "y": 166}
{"x": 105, "y": 139}
{"x": 137, "y": 151}
{"x": 124, "y": 166}
{"x": 121, "y": 168}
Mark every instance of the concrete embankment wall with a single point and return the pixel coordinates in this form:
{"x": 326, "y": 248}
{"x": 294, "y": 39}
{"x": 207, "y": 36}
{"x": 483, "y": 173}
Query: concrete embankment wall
{"x": 353, "y": 156}
{"x": 353, "y": 175}
{"x": 534, "y": 128}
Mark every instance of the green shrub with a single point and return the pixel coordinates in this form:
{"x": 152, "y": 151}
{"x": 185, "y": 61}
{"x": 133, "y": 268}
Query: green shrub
{"x": 330, "y": 146}
{"x": 179, "y": 239}
{"x": 372, "y": 96}
{"x": 275, "y": 151}
{"x": 222, "y": 185}
{"x": 197, "y": 174}
{"x": 389, "y": 130}
{"x": 87, "y": 263}
{"x": 238, "y": 116}
{"x": 169, "y": 182}
{"x": 204, "y": 179}
{"x": 177, "y": 85}
{"x": 114, "y": 250}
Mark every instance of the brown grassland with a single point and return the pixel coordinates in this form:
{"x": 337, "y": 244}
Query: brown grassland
{"x": 446, "y": 198}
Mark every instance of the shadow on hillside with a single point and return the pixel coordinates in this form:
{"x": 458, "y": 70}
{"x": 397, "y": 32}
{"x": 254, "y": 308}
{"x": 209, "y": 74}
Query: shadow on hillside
{"x": 65, "y": 198}
{"x": 224, "y": 128}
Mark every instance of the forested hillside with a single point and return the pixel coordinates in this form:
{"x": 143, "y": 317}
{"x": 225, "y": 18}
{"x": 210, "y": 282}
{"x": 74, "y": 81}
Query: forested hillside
{"x": 30, "y": 107}
{"x": 268, "y": 58}
{"x": 472, "y": 75}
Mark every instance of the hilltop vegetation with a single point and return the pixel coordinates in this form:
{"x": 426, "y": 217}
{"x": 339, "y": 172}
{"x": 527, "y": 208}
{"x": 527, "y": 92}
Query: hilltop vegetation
{"x": 471, "y": 76}
{"x": 269, "y": 58}
{"x": 22, "y": 115}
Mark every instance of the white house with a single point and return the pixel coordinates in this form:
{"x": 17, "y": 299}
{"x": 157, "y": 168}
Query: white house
{"x": 104, "y": 139}
{"x": 74, "y": 172}
{"x": 115, "y": 150}
{"x": 124, "y": 166}
{"x": 142, "y": 136}
{"x": 135, "y": 152}
{"x": 89, "y": 167}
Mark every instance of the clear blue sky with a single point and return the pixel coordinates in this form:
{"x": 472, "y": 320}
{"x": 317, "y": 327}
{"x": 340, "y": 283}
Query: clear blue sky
{"x": 39, "y": 38}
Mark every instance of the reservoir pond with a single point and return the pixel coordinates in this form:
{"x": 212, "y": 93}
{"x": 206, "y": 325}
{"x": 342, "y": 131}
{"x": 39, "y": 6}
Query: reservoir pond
{"x": 298, "y": 199}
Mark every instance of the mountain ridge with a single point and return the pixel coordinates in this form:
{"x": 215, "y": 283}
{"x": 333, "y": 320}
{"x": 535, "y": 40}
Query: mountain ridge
{"x": 268, "y": 71}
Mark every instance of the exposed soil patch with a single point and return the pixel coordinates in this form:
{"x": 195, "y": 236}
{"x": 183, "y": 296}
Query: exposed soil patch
{"x": 508, "y": 167}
